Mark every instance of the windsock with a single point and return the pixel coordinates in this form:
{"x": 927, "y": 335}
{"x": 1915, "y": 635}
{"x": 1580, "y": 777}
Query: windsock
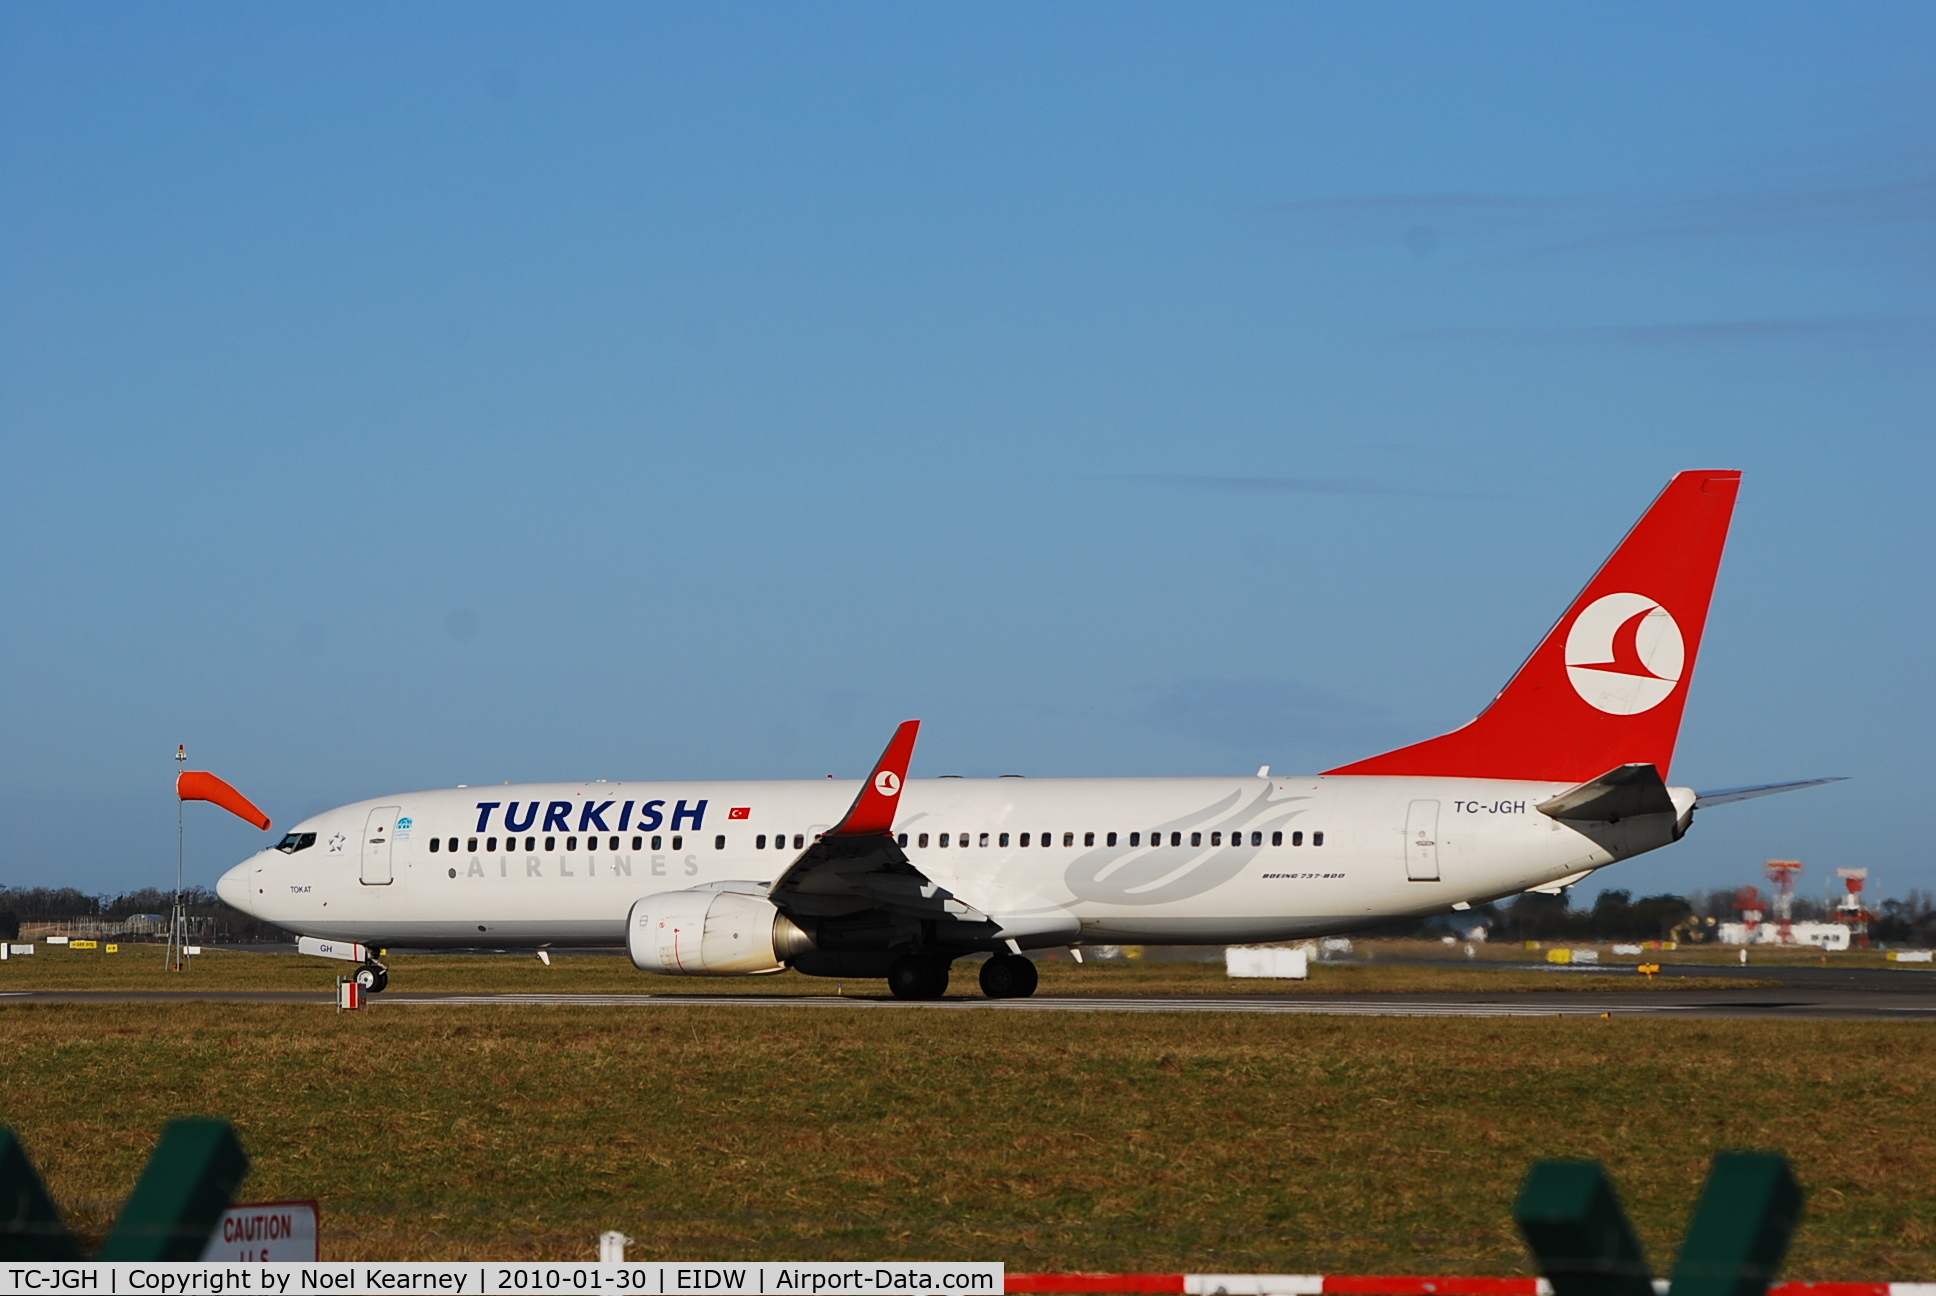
{"x": 199, "y": 785}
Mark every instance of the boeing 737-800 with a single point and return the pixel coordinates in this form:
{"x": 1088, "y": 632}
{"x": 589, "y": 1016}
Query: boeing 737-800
{"x": 1564, "y": 773}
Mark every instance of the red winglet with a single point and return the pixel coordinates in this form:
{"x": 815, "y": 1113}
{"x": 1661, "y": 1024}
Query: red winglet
{"x": 872, "y": 814}
{"x": 199, "y": 785}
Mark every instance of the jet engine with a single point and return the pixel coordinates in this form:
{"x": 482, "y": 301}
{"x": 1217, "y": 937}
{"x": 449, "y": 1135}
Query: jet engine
{"x": 711, "y": 933}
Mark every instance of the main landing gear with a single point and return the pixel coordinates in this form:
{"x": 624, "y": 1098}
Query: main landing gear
{"x": 925, "y": 976}
{"x": 372, "y": 977}
{"x": 916, "y": 977}
{"x": 1008, "y": 976}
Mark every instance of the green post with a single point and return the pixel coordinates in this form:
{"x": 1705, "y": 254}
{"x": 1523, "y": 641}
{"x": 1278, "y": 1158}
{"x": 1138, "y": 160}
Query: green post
{"x": 30, "y": 1224}
{"x": 1742, "y": 1227}
{"x": 188, "y": 1183}
{"x": 1571, "y": 1218}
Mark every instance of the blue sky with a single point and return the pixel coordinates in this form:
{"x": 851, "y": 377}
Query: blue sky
{"x": 399, "y": 396}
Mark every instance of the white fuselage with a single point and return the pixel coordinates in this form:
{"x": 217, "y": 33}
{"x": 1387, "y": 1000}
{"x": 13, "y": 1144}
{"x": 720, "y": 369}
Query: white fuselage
{"x": 445, "y": 868}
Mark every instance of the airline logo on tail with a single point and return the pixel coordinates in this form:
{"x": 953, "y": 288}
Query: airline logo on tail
{"x": 1625, "y": 654}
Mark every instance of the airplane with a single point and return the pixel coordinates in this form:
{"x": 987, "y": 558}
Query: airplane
{"x": 1563, "y": 773}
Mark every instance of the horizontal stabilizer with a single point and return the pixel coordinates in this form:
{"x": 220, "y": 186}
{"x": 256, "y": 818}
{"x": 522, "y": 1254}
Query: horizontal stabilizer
{"x": 1618, "y": 794}
{"x": 1721, "y": 796}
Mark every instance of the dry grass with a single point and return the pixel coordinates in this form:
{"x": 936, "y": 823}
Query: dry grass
{"x": 140, "y": 968}
{"x": 1224, "y": 1143}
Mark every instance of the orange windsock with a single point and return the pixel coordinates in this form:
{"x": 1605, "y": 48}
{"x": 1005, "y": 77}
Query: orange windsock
{"x": 199, "y": 785}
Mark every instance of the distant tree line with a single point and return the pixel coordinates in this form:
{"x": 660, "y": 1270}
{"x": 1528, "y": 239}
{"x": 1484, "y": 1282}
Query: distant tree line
{"x": 1617, "y": 916}
{"x": 63, "y": 904}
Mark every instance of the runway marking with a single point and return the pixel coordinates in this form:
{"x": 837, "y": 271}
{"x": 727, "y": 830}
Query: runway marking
{"x": 1321, "y": 1007}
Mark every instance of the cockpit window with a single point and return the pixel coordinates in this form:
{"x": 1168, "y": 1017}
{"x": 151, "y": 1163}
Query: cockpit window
{"x": 293, "y": 842}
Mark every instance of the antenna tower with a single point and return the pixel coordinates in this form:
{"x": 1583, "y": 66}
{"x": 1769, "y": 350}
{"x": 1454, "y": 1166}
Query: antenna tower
{"x": 1782, "y": 873}
{"x": 1853, "y": 910}
{"x": 1748, "y": 901}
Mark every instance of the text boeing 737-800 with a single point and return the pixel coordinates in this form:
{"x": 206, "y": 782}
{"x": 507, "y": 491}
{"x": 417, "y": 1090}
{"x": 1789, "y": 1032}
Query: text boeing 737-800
{"x": 1565, "y": 772}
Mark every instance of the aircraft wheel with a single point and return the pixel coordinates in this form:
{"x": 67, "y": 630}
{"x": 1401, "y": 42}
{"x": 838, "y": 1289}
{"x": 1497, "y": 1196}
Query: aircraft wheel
{"x": 1008, "y": 976}
{"x": 372, "y": 978}
{"x": 913, "y": 977}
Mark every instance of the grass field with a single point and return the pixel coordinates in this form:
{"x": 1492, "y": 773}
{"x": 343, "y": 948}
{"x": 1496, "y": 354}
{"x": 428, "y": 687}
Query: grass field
{"x": 139, "y": 968}
{"x": 1110, "y": 1141}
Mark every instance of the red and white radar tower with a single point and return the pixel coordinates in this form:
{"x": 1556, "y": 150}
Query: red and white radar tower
{"x": 1782, "y": 873}
{"x": 1853, "y": 910}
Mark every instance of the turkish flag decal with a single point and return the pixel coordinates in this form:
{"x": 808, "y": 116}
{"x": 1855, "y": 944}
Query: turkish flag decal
{"x": 740, "y": 812}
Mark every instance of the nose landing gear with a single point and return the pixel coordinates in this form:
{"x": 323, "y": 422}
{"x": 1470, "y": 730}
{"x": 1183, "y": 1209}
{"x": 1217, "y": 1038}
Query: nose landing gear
{"x": 372, "y": 977}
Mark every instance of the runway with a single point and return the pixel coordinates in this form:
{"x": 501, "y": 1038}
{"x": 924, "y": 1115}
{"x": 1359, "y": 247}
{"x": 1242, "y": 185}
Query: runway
{"x": 1788, "y": 1002}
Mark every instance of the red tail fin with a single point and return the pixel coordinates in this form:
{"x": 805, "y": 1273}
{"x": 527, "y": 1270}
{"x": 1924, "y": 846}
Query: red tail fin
{"x": 1607, "y": 685}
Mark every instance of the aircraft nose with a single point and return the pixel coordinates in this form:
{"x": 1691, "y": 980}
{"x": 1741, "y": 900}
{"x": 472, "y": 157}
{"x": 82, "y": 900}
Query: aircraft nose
{"x": 233, "y": 886}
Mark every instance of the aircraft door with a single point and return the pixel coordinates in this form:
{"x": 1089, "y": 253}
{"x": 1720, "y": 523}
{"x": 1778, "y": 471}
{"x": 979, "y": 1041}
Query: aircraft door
{"x": 377, "y": 837}
{"x": 1422, "y": 841}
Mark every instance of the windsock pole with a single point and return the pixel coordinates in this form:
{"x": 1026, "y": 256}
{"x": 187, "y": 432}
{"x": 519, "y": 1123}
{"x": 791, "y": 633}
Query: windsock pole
{"x": 177, "y": 960}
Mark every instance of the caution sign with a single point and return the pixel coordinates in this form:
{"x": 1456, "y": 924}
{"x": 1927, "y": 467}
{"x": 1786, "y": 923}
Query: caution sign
{"x": 272, "y": 1231}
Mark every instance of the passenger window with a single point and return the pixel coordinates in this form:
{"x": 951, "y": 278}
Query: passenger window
{"x": 1176, "y": 839}
{"x": 923, "y": 840}
{"x": 984, "y": 839}
{"x": 1025, "y": 838}
{"x": 1048, "y": 839}
{"x": 658, "y": 843}
{"x": 490, "y": 844}
{"x": 719, "y": 842}
{"x": 614, "y": 843}
{"x": 1216, "y": 839}
{"x": 944, "y": 839}
{"x": 638, "y": 843}
{"x": 798, "y": 841}
{"x": 1317, "y": 839}
{"x": 471, "y": 846}
{"x": 901, "y": 841}
{"x": 1004, "y": 840}
{"x": 1297, "y": 839}
{"x": 1257, "y": 839}
{"x": 530, "y": 843}
{"x": 1069, "y": 839}
{"x": 1135, "y": 839}
{"x": 436, "y": 844}
{"x": 759, "y": 842}
{"x": 1277, "y": 839}
{"x": 453, "y": 846}
{"x": 571, "y": 843}
{"x": 1108, "y": 841}
{"x": 678, "y": 841}
{"x": 551, "y": 844}
{"x": 1196, "y": 839}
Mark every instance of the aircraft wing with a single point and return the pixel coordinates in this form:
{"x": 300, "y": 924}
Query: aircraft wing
{"x": 1721, "y": 796}
{"x": 857, "y": 866}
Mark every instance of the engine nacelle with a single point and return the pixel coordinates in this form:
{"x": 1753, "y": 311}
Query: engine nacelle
{"x": 711, "y": 933}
